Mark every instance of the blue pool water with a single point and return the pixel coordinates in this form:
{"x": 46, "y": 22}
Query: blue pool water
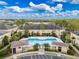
{"x": 49, "y": 40}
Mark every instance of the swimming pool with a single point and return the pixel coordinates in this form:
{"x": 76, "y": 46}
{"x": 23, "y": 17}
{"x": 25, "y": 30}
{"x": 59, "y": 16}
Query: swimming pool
{"x": 42, "y": 40}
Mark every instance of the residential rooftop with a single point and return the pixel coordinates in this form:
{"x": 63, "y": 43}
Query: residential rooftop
{"x": 76, "y": 32}
{"x": 42, "y": 26}
{"x": 60, "y": 44}
{"x": 6, "y": 27}
{"x": 15, "y": 44}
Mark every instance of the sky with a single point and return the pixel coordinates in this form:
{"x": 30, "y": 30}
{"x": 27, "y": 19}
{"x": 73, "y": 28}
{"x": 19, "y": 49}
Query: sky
{"x": 39, "y": 9}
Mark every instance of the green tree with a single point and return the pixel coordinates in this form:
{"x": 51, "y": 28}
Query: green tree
{"x": 20, "y": 23}
{"x": 46, "y": 45}
{"x": 26, "y": 33}
{"x": 5, "y": 41}
{"x": 14, "y": 38}
{"x": 38, "y": 34}
{"x": 20, "y": 34}
{"x": 36, "y": 46}
{"x": 53, "y": 34}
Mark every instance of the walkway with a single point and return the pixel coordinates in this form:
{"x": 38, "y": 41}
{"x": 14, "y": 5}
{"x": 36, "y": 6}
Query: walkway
{"x": 5, "y": 47}
{"x": 41, "y": 49}
{"x": 74, "y": 48}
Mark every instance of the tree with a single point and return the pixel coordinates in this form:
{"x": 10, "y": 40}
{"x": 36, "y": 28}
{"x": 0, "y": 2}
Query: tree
{"x": 36, "y": 46}
{"x": 14, "y": 38}
{"x": 46, "y": 45}
{"x": 5, "y": 41}
{"x": 32, "y": 34}
{"x": 38, "y": 34}
{"x": 20, "y": 23}
{"x": 53, "y": 34}
{"x": 19, "y": 34}
{"x": 26, "y": 33}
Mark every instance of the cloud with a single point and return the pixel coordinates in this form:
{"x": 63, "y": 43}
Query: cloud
{"x": 58, "y": 0}
{"x": 3, "y": 3}
{"x": 59, "y": 7}
{"x": 75, "y": 1}
{"x": 69, "y": 1}
{"x": 8, "y": 12}
{"x": 33, "y": 8}
{"x": 41, "y": 7}
{"x": 18, "y": 9}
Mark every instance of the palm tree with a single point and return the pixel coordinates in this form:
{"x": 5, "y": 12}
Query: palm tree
{"x": 36, "y": 46}
{"x": 53, "y": 34}
{"x": 47, "y": 46}
{"x": 5, "y": 41}
{"x": 38, "y": 34}
{"x": 20, "y": 23}
{"x": 19, "y": 34}
{"x": 26, "y": 33}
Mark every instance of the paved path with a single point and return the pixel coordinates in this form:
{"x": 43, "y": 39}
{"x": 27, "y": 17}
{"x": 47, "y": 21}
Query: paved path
{"x": 49, "y": 53}
{"x": 74, "y": 48}
{"x": 5, "y": 47}
{"x": 41, "y": 49}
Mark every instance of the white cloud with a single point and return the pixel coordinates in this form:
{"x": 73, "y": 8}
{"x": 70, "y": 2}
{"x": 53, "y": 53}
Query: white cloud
{"x": 70, "y": 1}
{"x": 59, "y": 7}
{"x": 58, "y": 0}
{"x": 75, "y": 1}
{"x": 18, "y": 9}
{"x": 5, "y": 14}
{"x": 3, "y": 3}
{"x": 34, "y": 7}
{"x": 41, "y": 7}
{"x": 75, "y": 12}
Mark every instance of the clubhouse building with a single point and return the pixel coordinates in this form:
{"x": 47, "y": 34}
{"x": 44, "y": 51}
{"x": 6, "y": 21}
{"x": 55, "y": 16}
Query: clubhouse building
{"x": 24, "y": 45}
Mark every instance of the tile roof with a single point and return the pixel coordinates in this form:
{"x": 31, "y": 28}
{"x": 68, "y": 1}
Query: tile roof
{"x": 15, "y": 44}
{"x": 5, "y": 26}
{"x": 76, "y": 32}
{"x": 42, "y": 26}
{"x": 60, "y": 44}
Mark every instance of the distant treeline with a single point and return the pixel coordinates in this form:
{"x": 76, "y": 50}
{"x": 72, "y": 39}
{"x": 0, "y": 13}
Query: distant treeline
{"x": 38, "y": 20}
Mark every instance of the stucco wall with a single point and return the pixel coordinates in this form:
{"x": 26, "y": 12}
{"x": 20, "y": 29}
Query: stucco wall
{"x": 76, "y": 40}
{"x": 58, "y": 32}
{"x": 18, "y": 49}
{"x": 64, "y": 49}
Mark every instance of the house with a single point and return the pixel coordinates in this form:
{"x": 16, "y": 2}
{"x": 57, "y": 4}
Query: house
{"x": 61, "y": 47}
{"x": 20, "y": 46}
{"x": 75, "y": 37}
{"x": 43, "y": 28}
{"x": 7, "y": 28}
{"x": 24, "y": 45}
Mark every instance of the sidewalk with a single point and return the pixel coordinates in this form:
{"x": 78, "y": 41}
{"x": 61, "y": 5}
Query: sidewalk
{"x": 75, "y": 49}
